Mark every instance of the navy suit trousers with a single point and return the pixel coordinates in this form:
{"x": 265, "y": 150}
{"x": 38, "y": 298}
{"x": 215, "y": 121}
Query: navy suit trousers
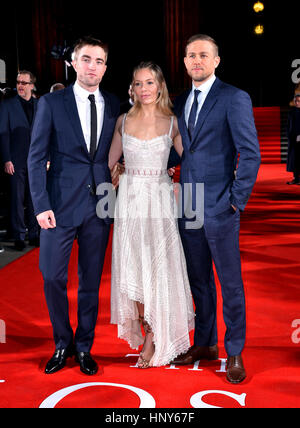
{"x": 22, "y": 212}
{"x": 217, "y": 242}
{"x": 55, "y": 250}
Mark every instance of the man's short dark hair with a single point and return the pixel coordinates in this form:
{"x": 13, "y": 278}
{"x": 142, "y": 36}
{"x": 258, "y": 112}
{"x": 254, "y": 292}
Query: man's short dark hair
{"x": 89, "y": 41}
{"x": 203, "y": 37}
{"x": 31, "y": 75}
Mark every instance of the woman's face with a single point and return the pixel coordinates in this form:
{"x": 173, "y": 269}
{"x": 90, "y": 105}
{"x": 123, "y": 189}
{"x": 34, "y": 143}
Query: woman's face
{"x": 145, "y": 87}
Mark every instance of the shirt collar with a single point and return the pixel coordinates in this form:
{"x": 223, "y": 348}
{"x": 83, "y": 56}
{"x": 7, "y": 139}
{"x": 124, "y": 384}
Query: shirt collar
{"x": 30, "y": 101}
{"x": 83, "y": 94}
{"x": 206, "y": 86}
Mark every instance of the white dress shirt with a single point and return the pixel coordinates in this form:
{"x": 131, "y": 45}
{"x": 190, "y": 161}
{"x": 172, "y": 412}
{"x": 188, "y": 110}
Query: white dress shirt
{"x": 204, "y": 88}
{"x": 84, "y": 111}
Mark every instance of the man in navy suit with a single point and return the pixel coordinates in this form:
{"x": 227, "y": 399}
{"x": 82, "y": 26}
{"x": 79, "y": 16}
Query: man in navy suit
{"x": 73, "y": 128}
{"x": 216, "y": 123}
{"x": 16, "y": 120}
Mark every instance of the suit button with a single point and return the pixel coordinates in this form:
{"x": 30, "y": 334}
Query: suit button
{"x": 192, "y": 151}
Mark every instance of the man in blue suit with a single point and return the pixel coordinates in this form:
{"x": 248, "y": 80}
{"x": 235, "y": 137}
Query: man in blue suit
{"x": 216, "y": 123}
{"x": 16, "y": 121}
{"x": 73, "y": 128}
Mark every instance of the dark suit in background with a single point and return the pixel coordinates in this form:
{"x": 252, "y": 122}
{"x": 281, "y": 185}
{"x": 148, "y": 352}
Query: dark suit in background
{"x": 16, "y": 120}
{"x": 293, "y": 132}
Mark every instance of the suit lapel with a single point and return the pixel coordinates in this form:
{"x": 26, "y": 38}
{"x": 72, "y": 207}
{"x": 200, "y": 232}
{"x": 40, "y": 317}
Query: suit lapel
{"x": 210, "y": 101}
{"x": 181, "y": 118}
{"x": 106, "y": 123}
{"x": 71, "y": 108}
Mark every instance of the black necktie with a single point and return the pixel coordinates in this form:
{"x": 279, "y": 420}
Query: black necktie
{"x": 93, "y": 146}
{"x": 193, "y": 113}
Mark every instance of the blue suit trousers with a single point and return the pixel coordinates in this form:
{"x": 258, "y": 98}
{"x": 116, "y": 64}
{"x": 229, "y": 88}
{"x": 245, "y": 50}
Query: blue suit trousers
{"x": 217, "y": 242}
{"x": 55, "y": 250}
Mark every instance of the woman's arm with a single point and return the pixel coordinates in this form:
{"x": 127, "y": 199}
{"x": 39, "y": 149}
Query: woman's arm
{"x": 116, "y": 148}
{"x": 177, "y": 140}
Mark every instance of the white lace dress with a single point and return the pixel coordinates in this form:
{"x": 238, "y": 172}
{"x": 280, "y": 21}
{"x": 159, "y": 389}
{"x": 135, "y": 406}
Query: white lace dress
{"x": 148, "y": 263}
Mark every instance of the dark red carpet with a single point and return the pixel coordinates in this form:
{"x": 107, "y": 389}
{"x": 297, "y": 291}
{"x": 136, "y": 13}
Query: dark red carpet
{"x": 270, "y": 238}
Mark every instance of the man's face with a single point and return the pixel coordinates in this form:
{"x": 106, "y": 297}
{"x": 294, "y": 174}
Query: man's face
{"x": 90, "y": 66}
{"x": 24, "y": 86}
{"x": 297, "y": 101}
{"x": 201, "y": 61}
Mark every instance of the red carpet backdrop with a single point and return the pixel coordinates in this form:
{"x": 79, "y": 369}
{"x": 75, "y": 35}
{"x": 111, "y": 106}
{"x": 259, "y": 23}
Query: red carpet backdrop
{"x": 271, "y": 269}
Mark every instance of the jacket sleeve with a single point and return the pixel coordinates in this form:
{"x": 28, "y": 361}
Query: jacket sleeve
{"x": 38, "y": 156}
{"x": 244, "y": 135}
{"x": 174, "y": 159}
{"x": 4, "y": 133}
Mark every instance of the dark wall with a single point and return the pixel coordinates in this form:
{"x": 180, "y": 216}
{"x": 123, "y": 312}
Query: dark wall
{"x": 260, "y": 65}
{"x": 131, "y": 34}
{"x": 137, "y": 31}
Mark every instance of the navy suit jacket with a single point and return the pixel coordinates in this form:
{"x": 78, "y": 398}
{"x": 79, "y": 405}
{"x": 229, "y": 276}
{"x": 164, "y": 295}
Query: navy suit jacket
{"x": 224, "y": 129}
{"x": 15, "y": 132}
{"x": 57, "y": 134}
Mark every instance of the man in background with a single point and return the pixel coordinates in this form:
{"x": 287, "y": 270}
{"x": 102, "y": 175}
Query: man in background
{"x": 16, "y": 120}
{"x": 293, "y": 161}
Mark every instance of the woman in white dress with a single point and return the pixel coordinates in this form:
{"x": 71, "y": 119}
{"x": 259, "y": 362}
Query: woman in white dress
{"x": 149, "y": 278}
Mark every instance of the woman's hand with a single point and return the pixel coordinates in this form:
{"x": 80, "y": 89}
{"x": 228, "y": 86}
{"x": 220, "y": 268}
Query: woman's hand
{"x": 115, "y": 172}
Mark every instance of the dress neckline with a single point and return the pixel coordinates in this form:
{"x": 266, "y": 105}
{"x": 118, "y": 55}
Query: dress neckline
{"x": 149, "y": 140}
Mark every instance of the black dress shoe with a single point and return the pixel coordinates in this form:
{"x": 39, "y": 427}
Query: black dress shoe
{"x": 20, "y": 245}
{"x": 87, "y": 365}
{"x": 35, "y": 242}
{"x": 58, "y": 361}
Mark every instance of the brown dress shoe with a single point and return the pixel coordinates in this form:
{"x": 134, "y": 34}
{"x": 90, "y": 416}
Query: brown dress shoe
{"x": 196, "y": 353}
{"x": 235, "y": 369}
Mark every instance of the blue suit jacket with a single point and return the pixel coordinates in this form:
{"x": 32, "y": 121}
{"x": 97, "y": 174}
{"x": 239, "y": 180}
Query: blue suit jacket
{"x": 57, "y": 134}
{"x": 15, "y": 132}
{"x": 225, "y": 128}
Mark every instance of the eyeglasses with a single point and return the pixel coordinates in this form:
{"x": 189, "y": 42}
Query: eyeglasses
{"x": 21, "y": 82}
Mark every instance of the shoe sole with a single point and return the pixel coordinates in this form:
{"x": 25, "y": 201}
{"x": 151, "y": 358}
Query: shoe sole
{"x": 92, "y": 373}
{"x": 235, "y": 382}
{"x": 55, "y": 370}
{"x": 200, "y": 359}
{"x": 89, "y": 373}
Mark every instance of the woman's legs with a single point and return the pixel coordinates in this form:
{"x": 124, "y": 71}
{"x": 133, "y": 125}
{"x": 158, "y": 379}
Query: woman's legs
{"x": 148, "y": 347}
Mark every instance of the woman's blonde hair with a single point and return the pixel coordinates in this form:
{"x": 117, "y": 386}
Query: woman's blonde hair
{"x": 163, "y": 102}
